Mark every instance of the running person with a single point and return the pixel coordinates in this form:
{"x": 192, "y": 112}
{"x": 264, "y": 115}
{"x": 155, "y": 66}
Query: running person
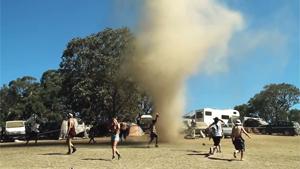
{"x": 71, "y": 133}
{"x": 153, "y": 132}
{"x": 216, "y": 128}
{"x": 115, "y": 129}
{"x": 237, "y": 139}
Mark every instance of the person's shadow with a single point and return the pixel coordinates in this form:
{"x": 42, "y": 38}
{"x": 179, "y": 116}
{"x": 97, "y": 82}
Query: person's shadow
{"x": 200, "y": 153}
{"x": 101, "y": 159}
{"x": 205, "y": 154}
{"x": 222, "y": 159}
{"x": 50, "y": 154}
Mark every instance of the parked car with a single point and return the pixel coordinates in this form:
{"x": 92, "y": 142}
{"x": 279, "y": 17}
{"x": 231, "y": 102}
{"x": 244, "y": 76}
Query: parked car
{"x": 284, "y": 127}
{"x": 254, "y": 122}
{"x": 227, "y": 129}
{"x": 14, "y": 130}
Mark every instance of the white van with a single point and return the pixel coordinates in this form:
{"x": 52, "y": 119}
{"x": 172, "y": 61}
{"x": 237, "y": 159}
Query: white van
{"x": 207, "y": 115}
{"x": 204, "y": 117}
{"x": 14, "y": 130}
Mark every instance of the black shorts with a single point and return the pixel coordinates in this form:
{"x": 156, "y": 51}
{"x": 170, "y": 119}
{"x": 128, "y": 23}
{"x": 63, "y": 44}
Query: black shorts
{"x": 153, "y": 135}
{"x": 217, "y": 140}
{"x": 239, "y": 144}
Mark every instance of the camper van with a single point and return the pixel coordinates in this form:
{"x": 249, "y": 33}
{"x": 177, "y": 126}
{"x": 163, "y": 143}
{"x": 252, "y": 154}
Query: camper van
{"x": 204, "y": 117}
{"x": 207, "y": 115}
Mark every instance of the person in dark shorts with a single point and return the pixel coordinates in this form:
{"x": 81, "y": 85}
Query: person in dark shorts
{"x": 92, "y": 134}
{"x": 237, "y": 139}
{"x": 216, "y": 134}
{"x": 123, "y": 131}
{"x": 32, "y": 132}
{"x": 71, "y": 133}
{"x": 153, "y": 132}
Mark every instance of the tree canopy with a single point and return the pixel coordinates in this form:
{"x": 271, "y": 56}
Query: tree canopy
{"x": 273, "y": 103}
{"x": 93, "y": 81}
{"x": 90, "y": 82}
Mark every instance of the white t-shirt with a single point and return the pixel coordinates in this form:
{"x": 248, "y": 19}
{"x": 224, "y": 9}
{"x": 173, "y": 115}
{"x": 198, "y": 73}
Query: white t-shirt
{"x": 217, "y": 130}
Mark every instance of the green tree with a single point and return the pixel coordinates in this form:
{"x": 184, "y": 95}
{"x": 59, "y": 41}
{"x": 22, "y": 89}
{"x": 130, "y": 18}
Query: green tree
{"x": 5, "y": 103}
{"x": 244, "y": 110}
{"x": 51, "y": 85}
{"x": 273, "y": 103}
{"x": 21, "y": 99}
{"x": 294, "y": 115}
{"x": 93, "y": 81}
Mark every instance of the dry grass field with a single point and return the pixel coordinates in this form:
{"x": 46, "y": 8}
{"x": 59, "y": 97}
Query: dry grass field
{"x": 276, "y": 152}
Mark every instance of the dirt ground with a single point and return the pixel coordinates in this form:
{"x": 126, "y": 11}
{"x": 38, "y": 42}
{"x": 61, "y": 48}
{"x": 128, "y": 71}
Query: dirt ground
{"x": 262, "y": 151}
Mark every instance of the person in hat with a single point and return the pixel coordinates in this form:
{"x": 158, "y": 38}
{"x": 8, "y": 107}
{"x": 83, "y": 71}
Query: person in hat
{"x": 216, "y": 134}
{"x": 71, "y": 133}
{"x": 237, "y": 139}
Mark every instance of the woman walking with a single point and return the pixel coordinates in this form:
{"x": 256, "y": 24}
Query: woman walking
{"x": 71, "y": 133}
{"x": 115, "y": 129}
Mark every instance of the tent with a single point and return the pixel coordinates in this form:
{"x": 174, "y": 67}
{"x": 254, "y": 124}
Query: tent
{"x": 79, "y": 128}
{"x": 135, "y": 130}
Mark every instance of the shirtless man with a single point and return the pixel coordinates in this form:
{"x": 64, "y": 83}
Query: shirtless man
{"x": 71, "y": 133}
{"x": 237, "y": 139}
{"x": 153, "y": 132}
{"x": 115, "y": 129}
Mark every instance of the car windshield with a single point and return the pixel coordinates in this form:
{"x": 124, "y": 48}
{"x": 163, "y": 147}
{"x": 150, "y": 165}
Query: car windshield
{"x": 146, "y": 120}
{"x": 14, "y": 124}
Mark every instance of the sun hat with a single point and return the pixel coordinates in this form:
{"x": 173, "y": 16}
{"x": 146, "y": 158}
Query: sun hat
{"x": 238, "y": 122}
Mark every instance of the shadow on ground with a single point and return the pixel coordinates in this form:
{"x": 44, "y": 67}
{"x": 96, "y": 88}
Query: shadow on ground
{"x": 222, "y": 159}
{"x": 205, "y": 154}
{"x": 200, "y": 153}
{"x": 101, "y": 159}
{"x": 81, "y": 142}
{"x": 51, "y": 154}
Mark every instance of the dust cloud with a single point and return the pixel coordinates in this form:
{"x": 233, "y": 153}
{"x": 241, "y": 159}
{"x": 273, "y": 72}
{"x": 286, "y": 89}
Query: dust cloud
{"x": 173, "y": 39}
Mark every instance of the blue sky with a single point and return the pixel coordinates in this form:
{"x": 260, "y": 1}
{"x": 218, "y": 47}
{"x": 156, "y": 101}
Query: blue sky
{"x": 34, "y": 34}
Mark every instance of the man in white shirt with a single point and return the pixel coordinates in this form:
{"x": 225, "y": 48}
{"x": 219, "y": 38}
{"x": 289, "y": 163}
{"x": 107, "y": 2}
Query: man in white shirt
{"x": 216, "y": 128}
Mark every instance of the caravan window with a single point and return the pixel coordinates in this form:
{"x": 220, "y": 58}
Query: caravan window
{"x": 199, "y": 114}
{"x": 208, "y": 113}
{"x": 225, "y": 117}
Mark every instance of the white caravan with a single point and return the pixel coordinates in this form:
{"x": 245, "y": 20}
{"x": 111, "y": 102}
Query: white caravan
{"x": 207, "y": 115}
